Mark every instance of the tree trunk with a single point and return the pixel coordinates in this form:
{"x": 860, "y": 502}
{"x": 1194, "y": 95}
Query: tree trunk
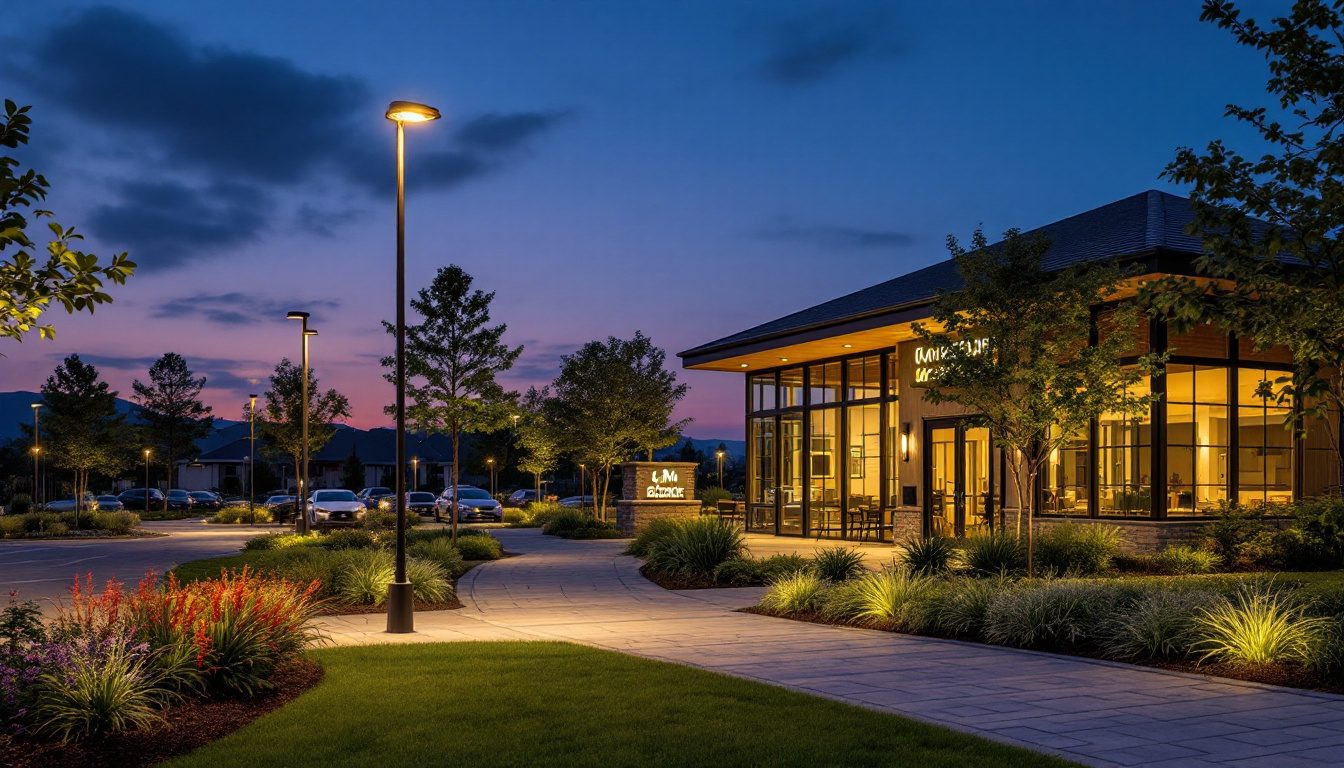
{"x": 452, "y": 511}
{"x": 1031, "y": 525}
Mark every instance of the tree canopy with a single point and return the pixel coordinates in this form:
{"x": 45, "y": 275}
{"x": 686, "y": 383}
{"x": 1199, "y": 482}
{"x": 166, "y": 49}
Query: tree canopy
{"x": 171, "y": 411}
{"x": 29, "y": 285}
{"x": 283, "y": 411}
{"x": 82, "y": 430}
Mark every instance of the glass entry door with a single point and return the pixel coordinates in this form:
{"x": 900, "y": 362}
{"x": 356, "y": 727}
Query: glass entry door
{"x": 959, "y": 477}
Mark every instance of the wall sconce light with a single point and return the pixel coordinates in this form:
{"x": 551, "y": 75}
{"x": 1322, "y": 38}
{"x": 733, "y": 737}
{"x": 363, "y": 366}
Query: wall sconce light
{"x": 905, "y": 441}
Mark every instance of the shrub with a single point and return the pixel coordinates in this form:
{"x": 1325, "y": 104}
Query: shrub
{"x": 958, "y": 610}
{"x": 1260, "y": 626}
{"x": 739, "y": 571}
{"x": 933, "y": 555}
{"x": 1161, "y": 624}
{"x": 57, "y": 529}
{"x": 12, "y": 526}
{"x": 797, "y": 593}
{"x": 656, "y": 530}
{"x": 534, "y": 515}
{"x": 278, "y": 541}
{"x": 994, "y": 553}
{"x": 1238, "y": 535}
{"x": 573, "y": 523}
{"x": 710, "y": 497}
{"x": 1327, "y": 653}
{"x": 1318, "y": 534}
{"x": 386, "y": 520}
{"x": 1079, "y": 550}
{"x": 346, "y": 538}
{"x": 119, "y": 523}
{"x": 429, "y": 580}
{"x": 838, "y": 564}
{"x": 1183, "y": 560}
{"x": 235, "y": 514}
{"x": 480, "y": 547}
{"x": 102, "y": 688}
{"x": 20, "y": 504}
{"x": 776, "y": 567}
{"x": 362, "y": 576}
{"x": 438, "y": 550}
{"x": 696, "y": 548}
{"x": 894, "y": 596}
{"x": 1059, "y": 614}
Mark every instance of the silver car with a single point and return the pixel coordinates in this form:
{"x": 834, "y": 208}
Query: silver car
{"x": 68, "y": 504}
{"x": 335, "y": 507}
{"x": 473, "y": 504}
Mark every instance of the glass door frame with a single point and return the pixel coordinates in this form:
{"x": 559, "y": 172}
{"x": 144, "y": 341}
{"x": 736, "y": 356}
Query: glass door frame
{"x": 959, "y": 424}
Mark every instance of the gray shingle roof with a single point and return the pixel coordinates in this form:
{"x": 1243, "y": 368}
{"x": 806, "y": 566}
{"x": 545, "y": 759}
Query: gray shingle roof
{"x": 1135, "y": 225}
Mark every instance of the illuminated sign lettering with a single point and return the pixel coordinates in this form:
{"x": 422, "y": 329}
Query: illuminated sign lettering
{"x": 928, "y": 360}
{"x": 664, "y": 486}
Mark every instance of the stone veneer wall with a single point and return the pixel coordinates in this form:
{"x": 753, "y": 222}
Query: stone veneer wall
{"x": 634, "y": 510}
{"x": 633, "y": 515}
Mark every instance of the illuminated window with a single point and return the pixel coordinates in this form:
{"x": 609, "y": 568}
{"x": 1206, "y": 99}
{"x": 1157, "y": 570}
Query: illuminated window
{"x": 823, "y": 493}
{"x": 865, "y": 378}
{"x": 893, "y": 375}
{"x": 1265, "y": 440}
{"x": 791, "y": 473}
{"x": 893, "y": 454}
{"x": 1124, "y": 460}
{"x": 761, "y": 446}
{"x": 1197, "y": 439}
{"x": 791, "y": 388}
{"x": 763, "y": 392}
{"x": 823, "y": 384}
{"x": 864, "y": 468}
{"x": 1066, "y": 477}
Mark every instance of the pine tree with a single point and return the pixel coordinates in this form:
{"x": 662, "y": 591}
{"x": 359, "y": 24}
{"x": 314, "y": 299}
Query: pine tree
{"x": 171, "y": 411}
{"x": 352, "y": 472}
{"x": 81, "y": 428}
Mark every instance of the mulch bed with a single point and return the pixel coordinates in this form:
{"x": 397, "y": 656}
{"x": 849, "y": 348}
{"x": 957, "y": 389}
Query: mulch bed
{"x": 345, "y": 609}
{"x": 1286, "y": 675}
{"x": 687, "y": 582}
{"x": 189, "y": 725}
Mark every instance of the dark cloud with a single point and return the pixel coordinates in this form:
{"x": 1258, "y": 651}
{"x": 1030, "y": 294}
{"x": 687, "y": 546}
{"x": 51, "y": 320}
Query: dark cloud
{"x": 322, "y": 222}
{"x": 166, "y": 223}
{"x": 835, "y": 237}
{"x": 806, "y": 50}
{"x": 237, "y": 122}
{"x": 219, "y": 373}
{"x": 238, "y": 308}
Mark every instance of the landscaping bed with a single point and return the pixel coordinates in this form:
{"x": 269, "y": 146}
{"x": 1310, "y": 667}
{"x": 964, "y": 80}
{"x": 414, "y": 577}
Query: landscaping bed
{"x": 192, "y": 724}
{"x": 61, "y": 525}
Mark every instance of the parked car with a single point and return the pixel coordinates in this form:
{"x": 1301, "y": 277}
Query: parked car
{"x": 419, "y": 502}
{"x": 577, "y": 501}
{"x": 281, "y": 506}
{"x": 110, "y": 504}
{"x": 371, "y": 496}
{"x": 179, "y": 500}
{"x": 135, "y": 499}
{"x": 335, "y": 507}
{"x": 205, "y": 500}
{"x": 521, "y": 497}
{"x": 472, "y": 504}
{"x": 67, "y": 504}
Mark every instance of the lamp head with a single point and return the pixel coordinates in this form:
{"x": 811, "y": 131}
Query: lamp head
{"x": 411, "y": 112}
{"x": 297, "y": 316}
{"x": 146, "y": 453}
{"x": 36, "y": 450}
{"x": 310, "y": 332}
{"x": 719, "y": 454}
{"x": 38, "y": 405}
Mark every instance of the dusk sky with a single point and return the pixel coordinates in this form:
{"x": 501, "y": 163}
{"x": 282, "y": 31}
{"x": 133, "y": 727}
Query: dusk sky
{"x": 688, "y": 169}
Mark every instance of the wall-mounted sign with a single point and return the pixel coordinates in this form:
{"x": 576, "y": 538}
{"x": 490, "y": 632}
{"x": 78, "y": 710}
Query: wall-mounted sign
{"x": 664, "y": 484}
{"x": 928, "y": 358}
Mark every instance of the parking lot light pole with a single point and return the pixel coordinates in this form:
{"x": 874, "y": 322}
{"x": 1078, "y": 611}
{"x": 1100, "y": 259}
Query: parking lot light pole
{"x": 400, "y": 596}
{"x": 415, "y": 473}
{"x": 301, "y": 501}
{"x": 491, "y": 463}
{"x": 37, "y": 451}
{"x": 252, "y": 460}
{"x": 165, "y": 501}
{"x": 719, "y": 454}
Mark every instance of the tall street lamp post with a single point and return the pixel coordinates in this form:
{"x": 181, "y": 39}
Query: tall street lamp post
{"x": 400, "y": 597}
{"x": 719, "y": 454}
{"x": 252, "y": 460}
{"x": 301, "y": 502}
{"x": 37, "y": 451}
{"x": 165, "y": 503}
{"x": 491, "y": 463}
{"x": 582, "y": 490}
{"x": 415, "y": 473}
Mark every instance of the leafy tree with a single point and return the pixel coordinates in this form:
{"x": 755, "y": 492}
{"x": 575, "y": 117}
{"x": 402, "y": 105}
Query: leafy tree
{"x": 171, "y": 411}
{"x": 70, "y": 278}
{"x": 612, "y": 399}
{"x": 1271, "y": 225}
{"x": 283, "y": 409}
{"x": 1013, "y": 349}
{"x": 82, "y": 430}
{"x": 536, "y": 437}
{"x": 452, "y": 358}
{"x": 352, "y": 472}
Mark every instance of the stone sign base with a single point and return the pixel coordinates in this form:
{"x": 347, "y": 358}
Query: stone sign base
{"x": 633, "y": 515}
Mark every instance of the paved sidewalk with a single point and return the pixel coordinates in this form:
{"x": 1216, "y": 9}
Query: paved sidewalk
{"x": 1097, "y": 713}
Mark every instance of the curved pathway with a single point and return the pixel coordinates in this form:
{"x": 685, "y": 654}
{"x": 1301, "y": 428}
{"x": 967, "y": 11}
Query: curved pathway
{"x": 1095, "y": 712}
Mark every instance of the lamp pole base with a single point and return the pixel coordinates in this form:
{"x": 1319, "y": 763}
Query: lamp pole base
{"x": 400, "y": 608}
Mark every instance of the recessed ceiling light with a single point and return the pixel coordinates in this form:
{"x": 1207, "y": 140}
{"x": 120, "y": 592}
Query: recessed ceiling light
{"x": 784, "y": 359}
{"x": 847, "y": 346}
{"x": 744, "y": 365}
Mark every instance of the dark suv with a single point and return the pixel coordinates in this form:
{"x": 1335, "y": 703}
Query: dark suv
{"x": 135, "y": 499}
{"x": 371, "y": 496}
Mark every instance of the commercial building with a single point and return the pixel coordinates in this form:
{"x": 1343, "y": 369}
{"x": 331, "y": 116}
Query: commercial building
{"x": 841, "y": 442}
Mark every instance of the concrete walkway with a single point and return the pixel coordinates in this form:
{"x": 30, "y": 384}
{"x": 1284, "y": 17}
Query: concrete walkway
{"x": 1097, "y": 713}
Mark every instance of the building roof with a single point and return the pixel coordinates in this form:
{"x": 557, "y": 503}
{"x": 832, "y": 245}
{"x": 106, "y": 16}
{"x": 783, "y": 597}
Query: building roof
{"x": 1142, "y": 224}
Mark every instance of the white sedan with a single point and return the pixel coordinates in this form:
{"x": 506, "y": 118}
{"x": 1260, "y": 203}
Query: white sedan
{"x": 472, "y": 504}
{"x": 335, "y": 508}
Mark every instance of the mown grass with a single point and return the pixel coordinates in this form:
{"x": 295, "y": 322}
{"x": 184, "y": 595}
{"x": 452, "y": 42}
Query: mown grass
{"x": 559, "y": 704}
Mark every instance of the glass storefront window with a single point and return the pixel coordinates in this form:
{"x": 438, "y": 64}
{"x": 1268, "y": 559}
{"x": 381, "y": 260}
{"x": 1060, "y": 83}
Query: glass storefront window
{"x": 1320, "y": 470}
{"x": 791, "y": 473}
{"x": 761, "y": 445}
{"x": 1197, "y": 439}
{"x": 1265, "y": 466}
{"x": 1124, "y": 460}
{"x": 865, "y": 378}
{"x": 893, "y": 375}
{"x": 863, "y": 507}
{"x": 763, "y": 392}
{"x": 823, "y": 384}
{"x": 823, "y": 493}
{"x": 893, "y": 454}
{"x": 1066, "y": 477}
{"x": 791, "y": 388}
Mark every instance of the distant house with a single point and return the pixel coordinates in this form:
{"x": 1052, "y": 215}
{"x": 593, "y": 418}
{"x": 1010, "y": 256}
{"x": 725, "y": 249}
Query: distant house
{"x": 376, "y": 448}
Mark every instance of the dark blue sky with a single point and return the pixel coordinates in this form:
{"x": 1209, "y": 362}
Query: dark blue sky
{"x": 687, "y": 169}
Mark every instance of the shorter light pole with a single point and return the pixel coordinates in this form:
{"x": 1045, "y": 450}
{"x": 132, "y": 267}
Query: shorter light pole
{"x": 147, "y": 483}
{"x": 415, "y": 473}
{"x": 37, "y": 450}
{"x": 491, "y": 462}
{"x": 301, "y": 502}
{"x": 252, "y": 461}
{"x": 719, "y": 454}
{"x": 582, "y": 490}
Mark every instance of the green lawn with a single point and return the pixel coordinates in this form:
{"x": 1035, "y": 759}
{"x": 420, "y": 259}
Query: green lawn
{"x": 209, "y": 568}
{"x": 558, "y": 704}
